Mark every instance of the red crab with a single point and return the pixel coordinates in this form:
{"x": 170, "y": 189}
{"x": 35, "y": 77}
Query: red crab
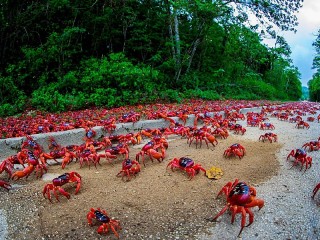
{"x": 149, "y": 145}
{"x": 60, "y": 181}
{"x": 310, "y": 119}
{"x": 160, "y": 141}
{"x": 303, "y": 124}
{"x": 313, "y": 145}
{"x": 183, "y": 116}
{"x": 31, "y": 144}
{"x": 240, "y": 198}
{"x": 221, "y": 132}
{"x": 53, "y": 145}
{"x": 187, "y": 165}
{"x": 87, "y": 156}
{"x": 109, "y": 124}
{"x": 121, "y": 148}
{"x": 67, "y": 158}
{"x": 130, "y": 138}
{"x": 5, "y": 185}
{"x": 239, "y": 129}
{"x": 54, "y": 154}
{"x": 202, "y": 134}
{"x": 315, "y": 190}
{"x": 7, "y": 165}
{"x": 153, "y": 153}
{"x": 283, "y": 117}
{"x": 238, "y": 116}
{"x": 198, "y": 135}
{"x": 235, "y": 150}
{"x": 294, "y": 119}
{"x": 90, "y": 134}
{"x": 130, "y": 117}
{"x": 268, "y": 136}
{"x": 300, "y": 155}
{"x": 107, "y": 222}
{"x": 253, "y": 121}
{"x": 129, "y": 168}
{"x": 268, "y": 126}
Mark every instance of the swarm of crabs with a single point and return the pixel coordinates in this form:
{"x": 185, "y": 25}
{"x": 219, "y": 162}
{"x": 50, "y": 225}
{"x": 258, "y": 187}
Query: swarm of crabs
{"x": 209, "y": 127}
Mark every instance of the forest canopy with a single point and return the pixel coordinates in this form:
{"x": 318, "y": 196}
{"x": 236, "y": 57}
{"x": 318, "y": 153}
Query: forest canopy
{"x": 59, "y": 55}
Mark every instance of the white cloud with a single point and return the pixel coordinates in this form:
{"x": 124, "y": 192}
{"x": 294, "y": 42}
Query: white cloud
{"x": 308, "y": 15}
{"x": 301, "y": 42}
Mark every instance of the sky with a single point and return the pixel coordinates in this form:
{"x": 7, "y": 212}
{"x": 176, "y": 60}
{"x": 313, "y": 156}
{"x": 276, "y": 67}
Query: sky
{"x": 301, "y": 42}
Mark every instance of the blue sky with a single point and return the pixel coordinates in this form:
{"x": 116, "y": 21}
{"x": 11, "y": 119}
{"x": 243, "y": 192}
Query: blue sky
{"x": 301, "y": 42}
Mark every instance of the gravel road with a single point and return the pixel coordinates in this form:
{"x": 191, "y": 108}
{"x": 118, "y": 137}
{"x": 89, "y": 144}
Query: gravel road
{"x": 289, "y": 211}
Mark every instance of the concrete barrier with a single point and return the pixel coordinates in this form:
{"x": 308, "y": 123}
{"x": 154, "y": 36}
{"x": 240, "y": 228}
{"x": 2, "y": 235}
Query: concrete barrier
{"x": 11, "y": 146}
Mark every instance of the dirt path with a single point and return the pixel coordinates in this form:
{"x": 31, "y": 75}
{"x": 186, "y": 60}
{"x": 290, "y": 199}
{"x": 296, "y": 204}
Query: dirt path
{"x": 156, "y": 204}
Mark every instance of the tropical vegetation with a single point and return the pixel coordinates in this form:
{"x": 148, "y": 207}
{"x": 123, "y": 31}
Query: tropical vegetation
{"x": 59, "y": 55}
{"x": 314, "y": 83}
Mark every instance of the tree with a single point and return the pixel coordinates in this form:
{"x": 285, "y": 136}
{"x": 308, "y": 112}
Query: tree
{"x": 170, "y": 49}
{"x": 314, "y": 83}
{"x": 269, "y": 13}
{"x": 316, "y": 59}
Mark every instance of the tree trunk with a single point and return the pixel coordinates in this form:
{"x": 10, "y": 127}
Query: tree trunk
{"x": 195, "y": 45}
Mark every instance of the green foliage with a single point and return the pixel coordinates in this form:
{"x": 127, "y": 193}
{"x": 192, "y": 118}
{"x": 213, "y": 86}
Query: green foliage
{"x": 170, "y": 95}
{"x": 12, "y": 99}
{"x": 202, "y": 94}
{"x": 316, "y": 59}
{"x": 48, "y": 99}
{"x": 7, "y": 110}
{"x": 108, "y": 82}
{"x": 314, "y": 83}
{"x": 104, "y": 97}
{"x": 314, "y": 87}
{"x": 260, "y": 89}
{"x": 61, "y": 55}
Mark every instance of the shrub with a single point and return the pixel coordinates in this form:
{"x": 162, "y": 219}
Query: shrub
{"x": 7, "y": 110}
{"x": 171, "y": 95}
{"x": 198, "y": 93}
{"x": 104, "y": 97}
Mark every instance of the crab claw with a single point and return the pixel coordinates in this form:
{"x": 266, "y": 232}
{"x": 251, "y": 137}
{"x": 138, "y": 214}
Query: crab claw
{"x": 5, "y": 185}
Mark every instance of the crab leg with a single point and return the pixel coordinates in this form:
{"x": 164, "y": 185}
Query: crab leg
{"x": 63, "y": 192}
{"x": 221, "y": 212}
{"x": 251, "y": 216}
{"x": 243, "y": 219}
{"x": 114, "y": 231}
